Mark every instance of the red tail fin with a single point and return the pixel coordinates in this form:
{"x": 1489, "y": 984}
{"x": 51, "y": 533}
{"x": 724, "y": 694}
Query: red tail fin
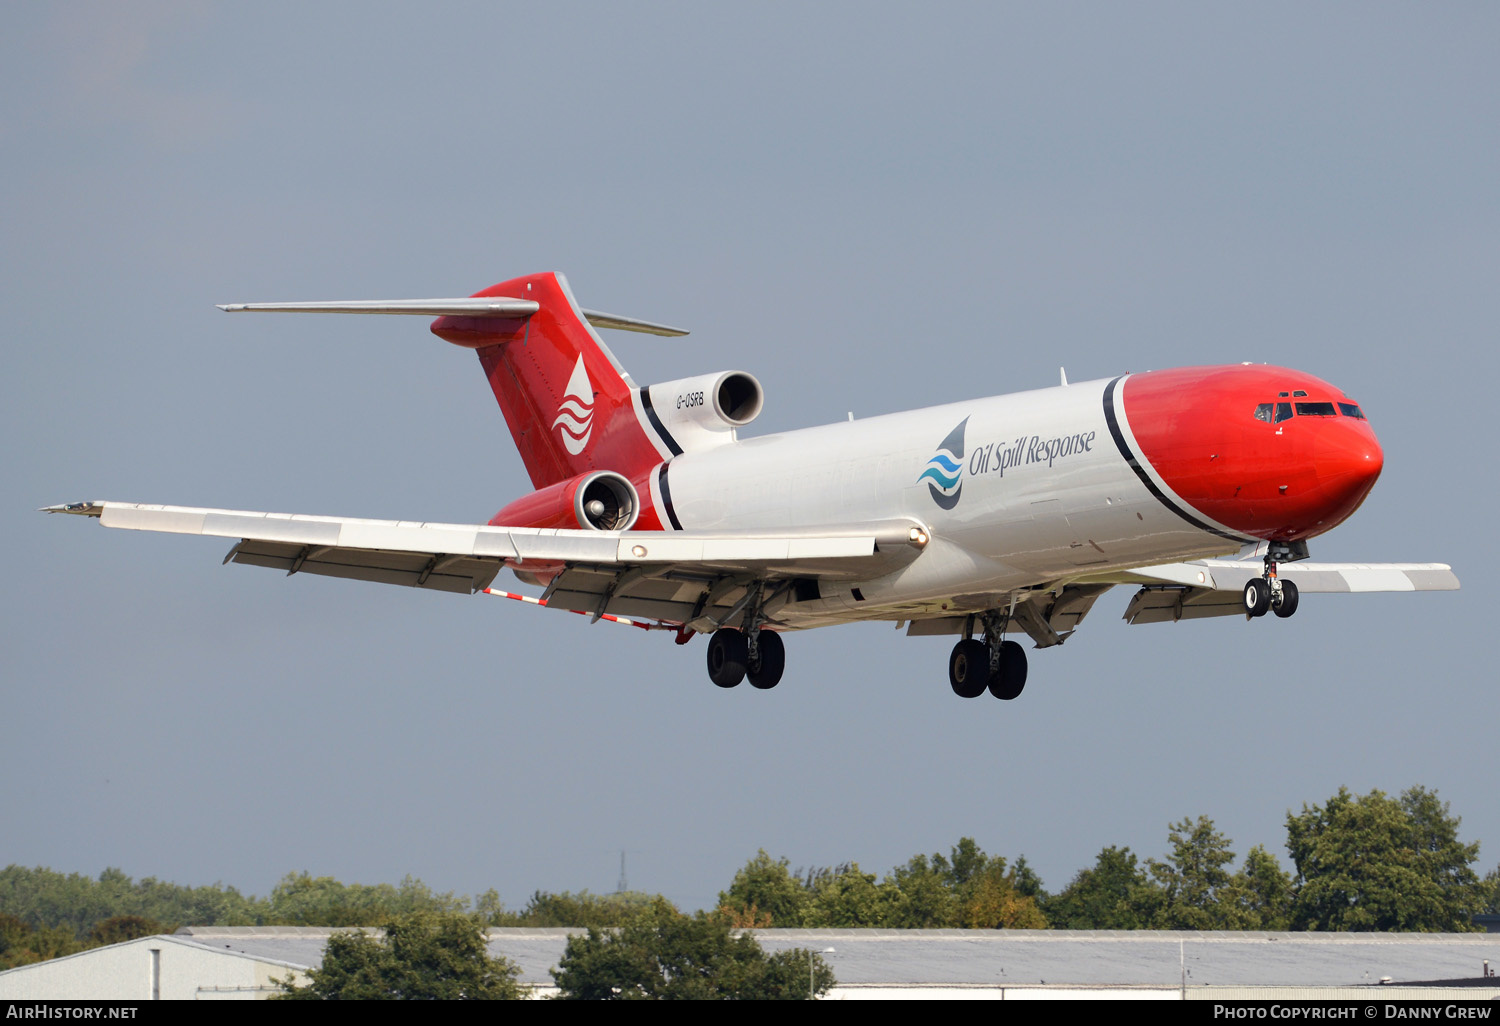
{"x": 570, "y": 406}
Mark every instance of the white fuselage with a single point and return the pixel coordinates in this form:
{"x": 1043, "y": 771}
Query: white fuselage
{"x": 1043, "y": 495}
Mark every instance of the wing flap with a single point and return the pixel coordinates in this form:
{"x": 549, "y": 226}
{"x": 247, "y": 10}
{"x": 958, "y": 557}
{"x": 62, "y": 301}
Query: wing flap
{"x": 413, "y": 570}
{"x": 1169, "y": 604}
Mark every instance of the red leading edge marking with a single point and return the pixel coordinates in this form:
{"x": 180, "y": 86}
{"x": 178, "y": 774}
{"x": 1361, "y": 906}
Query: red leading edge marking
{"x": 643, "y": 625}
{"x": 1269, "y": 452}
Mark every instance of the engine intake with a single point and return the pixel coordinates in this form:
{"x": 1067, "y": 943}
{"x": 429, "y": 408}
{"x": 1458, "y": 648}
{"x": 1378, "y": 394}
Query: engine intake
{"x": 598, "y": 501}
{"x": 703, "y": 412}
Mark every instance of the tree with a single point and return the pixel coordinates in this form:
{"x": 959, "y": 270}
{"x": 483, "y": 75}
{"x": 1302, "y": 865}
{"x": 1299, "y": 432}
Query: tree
{"x": 1195, "y": 879}
{"x": 581, "y": 909}
{"x": 1263, "y": 892}
{"x": 847, "y": 898}
{"x": 923, "y": 899}
{"x": 21, "y": 944}
{"x": 1113, "y": 894}
{"x": 1489, "y": 893}
{"x": 767, "y": 886}
{"x": 662, "y": 954}
{"x": 421, "y": 956}
{"x": 1372, "y": 862}
{"x": 118, "y": 929}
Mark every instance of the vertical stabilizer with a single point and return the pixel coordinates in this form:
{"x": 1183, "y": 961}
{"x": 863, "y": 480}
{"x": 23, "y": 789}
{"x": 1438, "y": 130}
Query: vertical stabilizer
{"x": 567, "y": 401}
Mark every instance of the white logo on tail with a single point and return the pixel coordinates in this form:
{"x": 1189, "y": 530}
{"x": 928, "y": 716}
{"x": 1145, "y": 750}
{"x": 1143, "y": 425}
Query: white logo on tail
{"x": 575, "y": 417}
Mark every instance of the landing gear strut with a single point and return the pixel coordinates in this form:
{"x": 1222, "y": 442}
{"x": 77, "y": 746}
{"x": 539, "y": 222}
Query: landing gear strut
{"x": 994, "y": 664}
{"x": 752, "y": 652}
{"x": 1269, "y": 592}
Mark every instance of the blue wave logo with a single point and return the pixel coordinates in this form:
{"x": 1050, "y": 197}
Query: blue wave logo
{"x": 945, "y": 470}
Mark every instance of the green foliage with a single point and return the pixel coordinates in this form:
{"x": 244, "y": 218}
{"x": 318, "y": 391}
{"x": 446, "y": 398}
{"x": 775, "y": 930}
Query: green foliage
{"x": 847, "y": 898}
{"x": 118, "y": 929}
{"x": 966, "y": 888}
{"x": 925, "y": 900}
{"x": 1372, "y": 862}
{"x": 44, "y": 898}
{"x": 1196, "y": 891}
{"x": 767, "y": 886}
{"x": 1489, "y": 893}
{"x": 661, "y": 954}
{"x": 423, "y": 956}
{"x": 1195, "y": 880}
{"x": 578, "y": 909}
{"x": 1114, "y": 894}
{"x": 1263, "y": 892}
{"x": 22, "y": 944}
{"x": 300, "y": 899}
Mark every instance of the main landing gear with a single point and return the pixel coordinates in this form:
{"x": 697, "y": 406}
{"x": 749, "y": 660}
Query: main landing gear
{"x": 753, "y": 652}
{"x": 1269, "y": 593}
{"x": 734, "y": 655}
{"x": 994, "y": 664}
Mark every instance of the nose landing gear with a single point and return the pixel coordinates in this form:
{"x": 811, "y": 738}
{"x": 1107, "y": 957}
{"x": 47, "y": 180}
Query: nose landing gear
{"x": 1269, "y": 592}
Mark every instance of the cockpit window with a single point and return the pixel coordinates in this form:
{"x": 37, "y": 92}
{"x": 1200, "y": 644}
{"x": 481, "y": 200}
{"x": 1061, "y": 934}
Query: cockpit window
{"x": 1263, "y": 412}
{"x": 1281, "y": 395}
{"x": 1316, "y": 410}
{"x": 1351, "y": 410}
{"x": 1297, "y": 393}
{"x": 1283, "y": 412}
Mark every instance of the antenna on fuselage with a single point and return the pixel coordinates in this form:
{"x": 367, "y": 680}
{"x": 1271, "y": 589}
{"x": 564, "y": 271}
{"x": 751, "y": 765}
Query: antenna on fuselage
{"x": 1062, "y": 373}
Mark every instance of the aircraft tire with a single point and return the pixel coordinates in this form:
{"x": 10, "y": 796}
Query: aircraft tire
{"x": 1010, "y": 679}
{"x": 1257, "y": 596}
{"x": 727, "y": 656}
{"x": 969, "y": 668}
{"x": 1288, "y": 604}
{"x": 765, "y": 673}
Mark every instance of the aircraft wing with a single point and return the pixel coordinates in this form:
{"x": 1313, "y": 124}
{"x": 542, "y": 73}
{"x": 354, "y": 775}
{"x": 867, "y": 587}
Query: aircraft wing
{"x": 669, "y": 575}
{"x": 1189, "y": 591}
{"x": 1214, "y": 587}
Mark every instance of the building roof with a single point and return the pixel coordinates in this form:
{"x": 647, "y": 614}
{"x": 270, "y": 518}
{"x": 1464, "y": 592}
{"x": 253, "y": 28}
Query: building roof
{"x": 1014, "y": 957}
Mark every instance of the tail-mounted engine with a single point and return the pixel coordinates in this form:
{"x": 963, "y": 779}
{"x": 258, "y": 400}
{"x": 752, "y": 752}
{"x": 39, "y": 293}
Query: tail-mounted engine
{"x": 600, "y": 501}
{"x": 703, "y": 412}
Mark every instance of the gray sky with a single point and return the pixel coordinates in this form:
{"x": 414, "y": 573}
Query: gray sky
{"x": 870, "y": 207}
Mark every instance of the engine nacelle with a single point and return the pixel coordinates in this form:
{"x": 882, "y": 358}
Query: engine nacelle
{"x": 599, "y": 501}
{"x": 703, "y": 412}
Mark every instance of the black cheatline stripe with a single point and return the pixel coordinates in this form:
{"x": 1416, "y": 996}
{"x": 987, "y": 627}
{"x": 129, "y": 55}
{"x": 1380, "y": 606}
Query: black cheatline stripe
{"x": 666, "y": 497}
{"x": 661, "y": 429}
{"x": 1140, "y": 471}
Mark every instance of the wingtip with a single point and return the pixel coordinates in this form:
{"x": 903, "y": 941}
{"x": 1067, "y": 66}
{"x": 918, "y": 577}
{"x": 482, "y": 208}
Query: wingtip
{"x": 85, "y": 509}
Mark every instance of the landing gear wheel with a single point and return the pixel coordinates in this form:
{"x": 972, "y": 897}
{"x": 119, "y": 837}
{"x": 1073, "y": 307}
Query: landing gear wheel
{"x": 1257, "y": 596}
{"x": 1288, "y": 604}
{"x": 969, "y": 668}
{"x": 727, "y": 656}
{"x": 765, "y": 671}
{"x": 1009, "y": 678}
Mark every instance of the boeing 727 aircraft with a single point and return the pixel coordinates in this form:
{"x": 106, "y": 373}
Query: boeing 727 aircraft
{"x": 979, "y": 519}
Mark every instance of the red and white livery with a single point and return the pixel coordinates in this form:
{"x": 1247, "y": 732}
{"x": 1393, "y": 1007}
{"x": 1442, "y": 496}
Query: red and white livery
{"x": 980, "y": 519}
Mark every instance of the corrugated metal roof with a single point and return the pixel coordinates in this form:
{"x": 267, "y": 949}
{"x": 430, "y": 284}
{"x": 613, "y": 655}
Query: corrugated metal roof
{"x": 1015, "y": 957}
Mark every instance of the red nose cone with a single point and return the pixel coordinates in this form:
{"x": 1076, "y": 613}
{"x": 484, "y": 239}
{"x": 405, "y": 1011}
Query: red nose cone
{"x": 1266, "y": 452}
{"x": 1346, "y": 461}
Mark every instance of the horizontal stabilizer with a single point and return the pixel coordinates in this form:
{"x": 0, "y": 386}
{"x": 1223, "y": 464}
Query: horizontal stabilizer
{"x": 489, "y": 306}
{"x": 481, "y": 306}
